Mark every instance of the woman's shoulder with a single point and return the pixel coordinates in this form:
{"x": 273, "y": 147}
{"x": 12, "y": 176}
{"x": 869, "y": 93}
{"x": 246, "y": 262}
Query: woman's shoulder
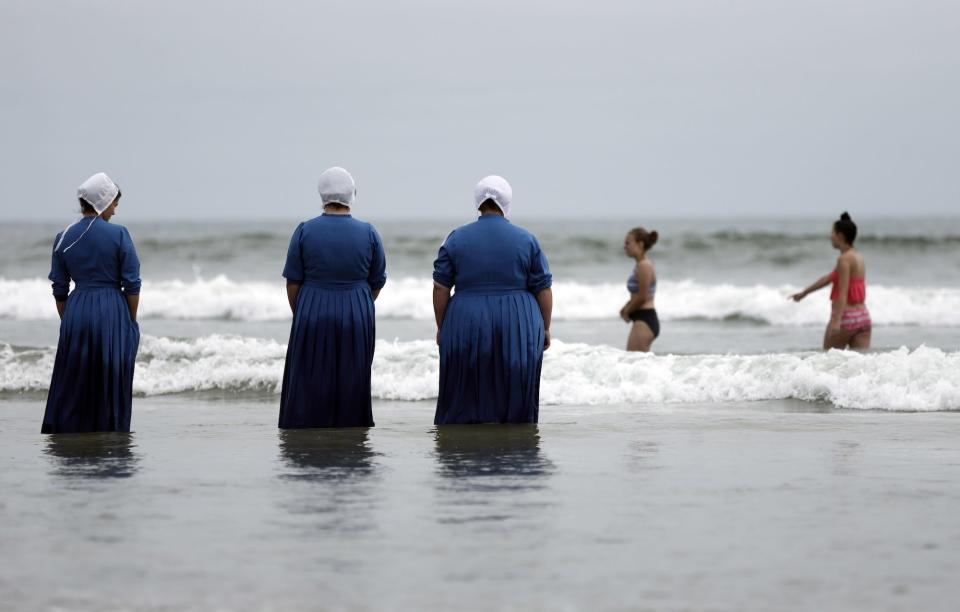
{"x": 114, "y": 230}
{"x": 370, "y": 227}
{"x": 523, "y": 234}
{"x": 308, "y": 222}
{"x": 462, "y": 230}
{"x": 849, "y": 258}
{"x": 645, "y": 267}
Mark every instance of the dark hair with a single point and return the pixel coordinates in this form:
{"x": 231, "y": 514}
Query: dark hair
{"x": 647, "y": 239}
{"x": 845, "y": 225}
{"x": 489, "y": 205}
{"x": 85, "y": 206}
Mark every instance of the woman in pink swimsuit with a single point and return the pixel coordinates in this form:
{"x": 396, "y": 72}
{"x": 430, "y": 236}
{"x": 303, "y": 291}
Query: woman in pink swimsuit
{"x": 849, "y": 320}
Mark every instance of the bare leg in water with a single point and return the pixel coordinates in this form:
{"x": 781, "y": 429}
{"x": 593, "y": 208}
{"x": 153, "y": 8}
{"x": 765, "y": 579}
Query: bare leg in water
{"x": 843, "y": 339}
{"x": 860, "y": 340}
{"x": 640, "y": 338}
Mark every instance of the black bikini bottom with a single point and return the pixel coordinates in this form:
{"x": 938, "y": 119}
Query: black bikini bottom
{"x": 648, "y": 316}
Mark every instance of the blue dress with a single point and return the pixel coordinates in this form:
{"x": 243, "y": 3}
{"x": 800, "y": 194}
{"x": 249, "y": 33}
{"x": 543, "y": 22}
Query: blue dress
{"x": 92, "y": 384}
{"x": 338, "y": 261}
{"x": 491, "y": 338}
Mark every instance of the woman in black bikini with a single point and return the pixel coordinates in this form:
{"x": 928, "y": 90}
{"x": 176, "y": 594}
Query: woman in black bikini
{"x": 642, "y": 284}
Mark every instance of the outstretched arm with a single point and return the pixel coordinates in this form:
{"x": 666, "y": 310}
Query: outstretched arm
{"x": 817, "y": 285}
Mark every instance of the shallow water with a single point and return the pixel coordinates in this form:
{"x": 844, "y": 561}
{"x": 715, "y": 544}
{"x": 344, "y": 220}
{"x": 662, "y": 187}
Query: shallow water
{"x": 748, "y": 506}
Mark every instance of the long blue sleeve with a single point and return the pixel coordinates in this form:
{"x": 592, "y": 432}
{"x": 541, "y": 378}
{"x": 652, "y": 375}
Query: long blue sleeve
{"x": 378, "y": 262}
{"x": 129, "y": 265}
{"x": 58, "y": 274}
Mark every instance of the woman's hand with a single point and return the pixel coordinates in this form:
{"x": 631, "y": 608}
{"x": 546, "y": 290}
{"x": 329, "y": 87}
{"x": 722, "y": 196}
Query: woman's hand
{"x": 546, "y": 339}
{"x": 796, "y": 297}
{"x": 624, "y": 314}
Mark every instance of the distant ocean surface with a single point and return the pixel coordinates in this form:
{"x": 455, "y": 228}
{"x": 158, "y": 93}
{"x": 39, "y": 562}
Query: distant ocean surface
{"x": 214, "y": 314}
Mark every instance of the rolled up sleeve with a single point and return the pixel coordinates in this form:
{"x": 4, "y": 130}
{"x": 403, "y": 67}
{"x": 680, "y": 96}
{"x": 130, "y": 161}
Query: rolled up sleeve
{"x": 129, "y": 266}
{"x": 59, "y": 275}
{"x": 538, "y": 277}
{"x": 377, "y": 277}
{"x": 293, "y": 270}
{"x": 444, "y": 272}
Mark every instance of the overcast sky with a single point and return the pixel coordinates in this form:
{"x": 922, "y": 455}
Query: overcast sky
{"x": 231, "y": 109}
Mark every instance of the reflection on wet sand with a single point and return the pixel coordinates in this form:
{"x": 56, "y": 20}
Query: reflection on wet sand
{"x": 327, "y": 454}
{"x": 491, "y": 457}
{"x": 340, "y": 467}
{"x": 92, "y": 455}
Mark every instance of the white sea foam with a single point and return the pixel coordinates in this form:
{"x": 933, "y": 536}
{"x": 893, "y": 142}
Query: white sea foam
{"x": 409, "y": 298}
{"x": 573, "y": 374}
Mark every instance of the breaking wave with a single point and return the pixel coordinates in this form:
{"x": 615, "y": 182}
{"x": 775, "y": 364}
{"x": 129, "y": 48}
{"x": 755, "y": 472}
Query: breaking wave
{"x": 409, "y": 298}
{"x": 924, "y": 379}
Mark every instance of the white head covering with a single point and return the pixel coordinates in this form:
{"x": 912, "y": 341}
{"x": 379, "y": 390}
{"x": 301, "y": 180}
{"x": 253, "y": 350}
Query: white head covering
{"x": 99, "y": 191}
{"x": 494, "y": 188}
{"x": 336, "y": 186}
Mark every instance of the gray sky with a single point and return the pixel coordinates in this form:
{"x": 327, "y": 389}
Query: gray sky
{"x": 220, "y": 109}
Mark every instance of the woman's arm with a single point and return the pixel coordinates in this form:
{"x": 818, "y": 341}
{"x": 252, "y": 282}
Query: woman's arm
{"x": 377, "y": 277}
{"x": 133, "y": 301}
{"x": 61, "y": 279}
{"x": 293, "y": 289}
{"x": 840, "y": 302}
{"x": 545, "y": 301}
{"x": 817, "y": 285}
{"x": 441, "y": 298}
{"x": 644, "y": 275}
{"x": 293, "y": 269}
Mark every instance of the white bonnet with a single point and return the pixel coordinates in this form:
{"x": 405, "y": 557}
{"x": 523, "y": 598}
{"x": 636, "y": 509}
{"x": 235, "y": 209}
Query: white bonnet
{"x": 99, "y": 191}
{"x": 336, "y": 186}
{"x": 494, "y": 188}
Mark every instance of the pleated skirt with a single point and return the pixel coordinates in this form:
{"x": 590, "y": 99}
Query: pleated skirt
{"x": 92, "y": 384}
{"x": 326, "y": 379}
{"x": 491, "y": 353}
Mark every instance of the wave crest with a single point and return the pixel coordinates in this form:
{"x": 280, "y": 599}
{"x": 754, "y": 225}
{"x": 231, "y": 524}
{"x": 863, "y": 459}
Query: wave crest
{"x": 409, "y": 298}
{"x": 925, "y": 379}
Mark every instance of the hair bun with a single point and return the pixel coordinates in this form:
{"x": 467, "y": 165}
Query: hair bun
{"x": 845, "y": 216}
{"x": 654, "y": 236}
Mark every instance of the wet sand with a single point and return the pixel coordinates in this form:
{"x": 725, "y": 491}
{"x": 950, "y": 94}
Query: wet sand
{"x": 762, "y": 506}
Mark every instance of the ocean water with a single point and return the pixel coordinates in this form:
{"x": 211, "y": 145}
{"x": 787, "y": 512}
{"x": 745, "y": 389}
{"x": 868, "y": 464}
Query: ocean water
{"x": 214, "y": 314}
{"x": 738, "y": 467}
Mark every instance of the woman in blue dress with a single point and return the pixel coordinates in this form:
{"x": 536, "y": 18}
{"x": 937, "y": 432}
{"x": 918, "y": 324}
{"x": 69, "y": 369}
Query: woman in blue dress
{"x": 92, "y": 384}
{"x": 493, "y": 331}
{"x": 335, "y": 270}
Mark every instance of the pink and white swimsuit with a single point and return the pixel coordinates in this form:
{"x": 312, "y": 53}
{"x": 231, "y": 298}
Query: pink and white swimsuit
{"x": 855, "y": 318}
